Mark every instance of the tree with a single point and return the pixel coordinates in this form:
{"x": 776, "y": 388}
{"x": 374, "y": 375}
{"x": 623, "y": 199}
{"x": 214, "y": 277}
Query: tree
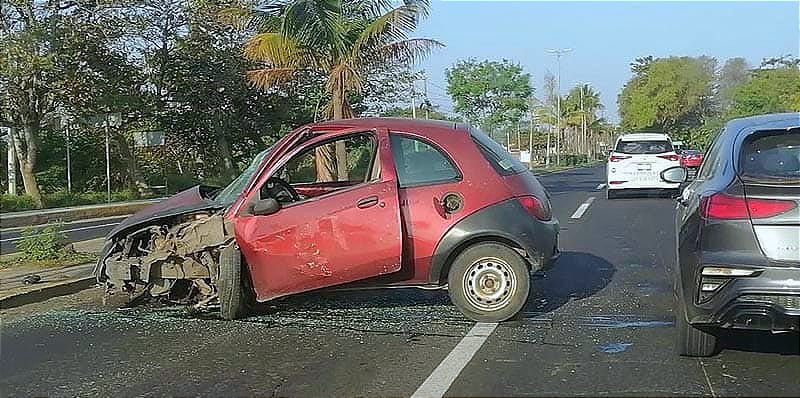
{"x": 27, "y": 79}
{"x": 344, "y": 40}
{"x": 670, "y": 94}
{"x": 734, "y": 73}
{"x": 489, "y": 93}
{"x": 768, "y": 91}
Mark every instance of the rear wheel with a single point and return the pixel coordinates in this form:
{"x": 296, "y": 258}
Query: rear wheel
{"x": 233, "y": 292}
{"x": 489, "y": 282}
{"x": 611, "y": 194}
{"x": 693, "y": 342}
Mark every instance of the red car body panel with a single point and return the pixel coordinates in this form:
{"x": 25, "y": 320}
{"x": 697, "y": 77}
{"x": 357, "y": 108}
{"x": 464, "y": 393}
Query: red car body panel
{"x": 424, "y": 218}
{"x": 325, "y": 241}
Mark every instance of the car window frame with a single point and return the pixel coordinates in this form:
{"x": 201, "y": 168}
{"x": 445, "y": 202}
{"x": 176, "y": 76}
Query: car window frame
{"x": 711, "y": 157}
{"x": 372, "y": 176}
{"x": 410, "y": 135}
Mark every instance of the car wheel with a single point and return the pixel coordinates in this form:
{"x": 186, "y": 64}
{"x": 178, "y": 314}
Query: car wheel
{"x": 693, "y": 342}
{"x": 489, "y": 282}
{"x": 231, "y": 287}
{"x": 611, "y": 194}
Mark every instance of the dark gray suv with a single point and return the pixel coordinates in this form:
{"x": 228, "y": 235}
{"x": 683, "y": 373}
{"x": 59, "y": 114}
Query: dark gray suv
{"x": 738, "y": 234}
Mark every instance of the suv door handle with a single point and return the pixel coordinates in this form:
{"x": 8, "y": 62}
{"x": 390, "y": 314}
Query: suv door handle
{"x": 367, "y": 202}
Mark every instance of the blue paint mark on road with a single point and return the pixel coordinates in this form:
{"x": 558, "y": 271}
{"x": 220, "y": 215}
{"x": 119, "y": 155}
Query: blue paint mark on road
{"x": 614, "y": 348}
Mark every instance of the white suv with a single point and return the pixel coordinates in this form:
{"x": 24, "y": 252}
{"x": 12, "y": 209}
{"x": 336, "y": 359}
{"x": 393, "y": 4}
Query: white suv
{"x": 637, "y": 162}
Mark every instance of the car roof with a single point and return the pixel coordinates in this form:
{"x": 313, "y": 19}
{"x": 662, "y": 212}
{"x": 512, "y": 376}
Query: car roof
{"x": 644, "y": 137}
{"x": 391, "y": 123}
{"x": 772, "y": 121}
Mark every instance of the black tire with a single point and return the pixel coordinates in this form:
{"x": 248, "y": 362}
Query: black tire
{"x": 691, "y": 341}
{"x": 231, "y": 286}
{"x": 611, "y": 194}
{"x": 485, "y": 262}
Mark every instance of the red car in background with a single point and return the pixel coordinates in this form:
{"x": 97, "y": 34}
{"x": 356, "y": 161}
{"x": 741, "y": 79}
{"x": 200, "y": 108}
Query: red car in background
{"x": 691, "y": 159}
{"x": 378, "y": 202}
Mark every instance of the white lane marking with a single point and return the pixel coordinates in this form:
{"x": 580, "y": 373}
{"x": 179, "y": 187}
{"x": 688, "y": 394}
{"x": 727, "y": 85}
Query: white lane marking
{"x": 600, "y": 186}
{"x": 708, "y": 380}
{"x": 582, "y": 208}
{"x": 66, "y": 231}
{"x": 437, "y": 384}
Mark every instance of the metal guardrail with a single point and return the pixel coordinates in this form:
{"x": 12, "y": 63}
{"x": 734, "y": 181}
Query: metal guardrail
{"x": 74, "y": 213}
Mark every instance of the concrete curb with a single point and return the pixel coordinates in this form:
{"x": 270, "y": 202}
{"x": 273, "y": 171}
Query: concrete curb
{"x": 66, "y": 214}
{"x": 44, "y": 291}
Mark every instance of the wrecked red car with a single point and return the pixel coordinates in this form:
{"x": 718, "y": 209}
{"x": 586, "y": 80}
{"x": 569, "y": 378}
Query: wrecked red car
{"x": 351, "y": 203}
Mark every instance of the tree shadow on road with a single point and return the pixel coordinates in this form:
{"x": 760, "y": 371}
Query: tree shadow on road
{"x": 575, "y": 276}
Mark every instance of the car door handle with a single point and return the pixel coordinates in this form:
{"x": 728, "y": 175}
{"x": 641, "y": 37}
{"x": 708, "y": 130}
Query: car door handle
{"x": 367, "y": 202}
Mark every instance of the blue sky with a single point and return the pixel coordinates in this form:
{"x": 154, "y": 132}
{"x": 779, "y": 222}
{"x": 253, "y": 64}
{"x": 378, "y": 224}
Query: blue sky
{"x": 605, "y": 36}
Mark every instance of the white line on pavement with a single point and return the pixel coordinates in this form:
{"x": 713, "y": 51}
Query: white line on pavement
{"x": 66, "y": 231}
{"x": 437, "y": 384}
{"x": 600, "y": 186}
{"x": 582, "y": 208}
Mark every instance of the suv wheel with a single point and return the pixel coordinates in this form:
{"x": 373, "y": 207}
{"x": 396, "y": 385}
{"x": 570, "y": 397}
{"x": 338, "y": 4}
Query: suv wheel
{"x": 231, "y": 286}
{"x": 610, "y": 194}
{"x": 693, "y": 342}
{"x": 489, "y": 282}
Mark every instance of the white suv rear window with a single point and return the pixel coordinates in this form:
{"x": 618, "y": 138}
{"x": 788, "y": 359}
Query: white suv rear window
{"x": 643, "y": 147}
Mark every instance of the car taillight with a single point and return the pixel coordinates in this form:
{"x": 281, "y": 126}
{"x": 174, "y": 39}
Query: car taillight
{"x": 672, "y": 158}
{"x": 535, "y": 207}
{"x": 617, "y": 158}
{"x": 728, "y": 207}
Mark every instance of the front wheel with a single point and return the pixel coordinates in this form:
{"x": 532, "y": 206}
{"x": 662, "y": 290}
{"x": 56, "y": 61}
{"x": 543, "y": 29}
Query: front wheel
{"x": 231, "y": 285}
{"x": 489, "y": 282}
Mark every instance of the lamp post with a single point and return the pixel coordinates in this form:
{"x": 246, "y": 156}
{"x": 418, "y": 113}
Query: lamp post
{"x": 558, "y": 52}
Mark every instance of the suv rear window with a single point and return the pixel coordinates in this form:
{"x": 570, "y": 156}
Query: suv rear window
{"x": 498, "y": 157}
{"x": 771, "y": 155}
{"x": 643, "y": 147}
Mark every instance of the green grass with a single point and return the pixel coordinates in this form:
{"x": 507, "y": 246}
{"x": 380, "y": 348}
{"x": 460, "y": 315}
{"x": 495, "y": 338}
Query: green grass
{"x": 67, "y": 259}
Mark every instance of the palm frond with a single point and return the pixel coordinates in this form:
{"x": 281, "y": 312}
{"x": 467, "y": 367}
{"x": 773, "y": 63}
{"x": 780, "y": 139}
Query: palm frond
{"x": 344, "y": 77}
{"x": 270, "y": 77}
{"x": 408, "y": 51}
{"x": 395, "y": 25}
{"x": 316, "y": 23}
{"x": 277, "y": 51}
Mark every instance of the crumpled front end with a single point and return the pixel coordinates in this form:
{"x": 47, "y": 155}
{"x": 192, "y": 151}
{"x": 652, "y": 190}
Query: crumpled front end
{"x": 174, "y": 258}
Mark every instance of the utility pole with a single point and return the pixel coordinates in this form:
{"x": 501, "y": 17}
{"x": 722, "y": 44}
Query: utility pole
{"x": 558, "y": 53}
{"x": 425, "y": 87}
{"x": 413, "y": 100}
{"x": 108, "y": 165}
{"x": 12, "y": 163}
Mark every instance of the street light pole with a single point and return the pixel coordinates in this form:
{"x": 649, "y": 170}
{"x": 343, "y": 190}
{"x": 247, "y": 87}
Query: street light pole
{"x": 558, "y": 53}
{"x": 108, "y": 165}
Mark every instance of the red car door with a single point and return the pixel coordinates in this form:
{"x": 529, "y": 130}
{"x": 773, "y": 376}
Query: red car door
{"x": 342, "y": 236}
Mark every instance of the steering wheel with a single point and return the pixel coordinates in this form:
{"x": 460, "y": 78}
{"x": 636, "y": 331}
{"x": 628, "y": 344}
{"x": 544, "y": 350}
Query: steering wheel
{"x": 280, "y": 190}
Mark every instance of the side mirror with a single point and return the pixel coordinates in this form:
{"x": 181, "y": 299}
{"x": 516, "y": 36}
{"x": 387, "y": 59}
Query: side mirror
{"x": 675, "y": 175}
{"x": 265, "y": 207}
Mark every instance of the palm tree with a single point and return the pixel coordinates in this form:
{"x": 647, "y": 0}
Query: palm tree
{"x": 342, "y": 39}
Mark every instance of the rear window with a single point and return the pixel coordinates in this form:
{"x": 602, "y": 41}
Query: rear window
{"x": 643, "y": 147}
{"x": 498, "y": 157}
{"x": 772, "y": 155}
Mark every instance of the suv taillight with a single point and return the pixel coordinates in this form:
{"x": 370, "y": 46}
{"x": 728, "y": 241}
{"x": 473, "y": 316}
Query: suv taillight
{"x": 728, "y": 207}
{"x": 535, "y": 207}
{"x": 671, "y": 158}
{"x": 617, "y": 158}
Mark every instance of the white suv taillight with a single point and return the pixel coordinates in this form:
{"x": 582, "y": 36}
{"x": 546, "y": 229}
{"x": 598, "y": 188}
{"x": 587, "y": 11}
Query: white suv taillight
{"x": 671, "y": 158}
{"x": 617, "y": 158}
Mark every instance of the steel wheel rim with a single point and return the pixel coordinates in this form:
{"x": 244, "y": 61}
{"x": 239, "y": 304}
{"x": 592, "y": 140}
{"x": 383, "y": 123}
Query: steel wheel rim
{"x": 489, "y": 284}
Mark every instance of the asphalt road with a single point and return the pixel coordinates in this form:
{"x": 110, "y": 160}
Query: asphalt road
{"x": 75, "y": 231}
{"x": 599, "y": 323}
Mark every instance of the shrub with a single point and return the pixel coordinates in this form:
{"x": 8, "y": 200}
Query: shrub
{"x": 10, "y": 202}
{"x": 44, "y": 244}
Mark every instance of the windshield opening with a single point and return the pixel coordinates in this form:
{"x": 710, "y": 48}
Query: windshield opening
{"x": 229, "y": 194}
